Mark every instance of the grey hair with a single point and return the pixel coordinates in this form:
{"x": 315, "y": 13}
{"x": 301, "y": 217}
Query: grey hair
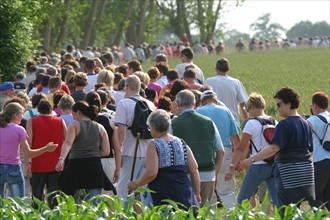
{"x": 185, "y": 98}
{"x": 159, "y": 120}
{"x": 133, "y": 82}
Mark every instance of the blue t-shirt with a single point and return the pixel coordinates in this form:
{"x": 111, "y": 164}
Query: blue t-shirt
{"x": 223, "y": 119}
{"x": 293, "y": 132}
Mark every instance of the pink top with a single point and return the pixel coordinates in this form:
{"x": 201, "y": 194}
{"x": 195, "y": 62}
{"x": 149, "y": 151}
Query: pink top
{"x": 156, "y": 87}
{"x": 10, "y": 138}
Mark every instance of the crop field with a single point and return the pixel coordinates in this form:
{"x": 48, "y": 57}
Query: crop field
{"x": 307, "y": 70}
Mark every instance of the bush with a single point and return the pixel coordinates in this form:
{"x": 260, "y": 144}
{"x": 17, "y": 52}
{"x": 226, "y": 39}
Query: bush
{"x": 16, "y": 44}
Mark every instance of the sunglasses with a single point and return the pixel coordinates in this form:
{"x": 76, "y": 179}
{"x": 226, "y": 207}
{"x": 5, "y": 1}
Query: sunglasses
{"x": 279, "y": 104}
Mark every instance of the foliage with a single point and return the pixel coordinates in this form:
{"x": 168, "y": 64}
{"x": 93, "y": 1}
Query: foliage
{"x": 308, "y": 28}
{"x": 16, "y": 27}
{"x": 105, "y": 207}
{"x": 266, "y": 30}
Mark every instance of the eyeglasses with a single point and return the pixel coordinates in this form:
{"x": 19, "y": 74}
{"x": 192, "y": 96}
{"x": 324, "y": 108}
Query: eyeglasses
{"x": 279, "y": 104}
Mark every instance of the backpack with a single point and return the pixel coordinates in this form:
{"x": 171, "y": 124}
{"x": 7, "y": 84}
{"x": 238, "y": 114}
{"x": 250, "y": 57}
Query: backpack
{"x": 141, "y": 114}
{"x": 325, "y": 141}
{"x": 268, "y": 128}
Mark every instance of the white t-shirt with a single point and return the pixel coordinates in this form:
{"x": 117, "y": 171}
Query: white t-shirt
{"x": 230, "y": 91}
{"x": 91, "y": 80}
{"x": 181, "y": 68}
{"x": 254, "y": 128}
{"x": 124, "y": 116}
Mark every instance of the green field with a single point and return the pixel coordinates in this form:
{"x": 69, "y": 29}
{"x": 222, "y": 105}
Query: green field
{"x": 307, "y": 70}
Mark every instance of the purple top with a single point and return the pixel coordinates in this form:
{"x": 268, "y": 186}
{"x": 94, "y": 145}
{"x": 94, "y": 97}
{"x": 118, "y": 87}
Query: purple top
{"x": 10, "y": 139}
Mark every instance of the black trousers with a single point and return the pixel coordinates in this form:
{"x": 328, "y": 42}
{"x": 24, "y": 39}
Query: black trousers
{"x": 322, "y": 182}
{"x": 38, "y": 183}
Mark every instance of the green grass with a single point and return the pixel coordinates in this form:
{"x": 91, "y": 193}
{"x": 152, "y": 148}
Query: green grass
{"x": 307, "y": 70}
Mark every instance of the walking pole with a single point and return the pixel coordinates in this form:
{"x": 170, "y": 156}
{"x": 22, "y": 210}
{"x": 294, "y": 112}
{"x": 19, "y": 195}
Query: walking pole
{"x": 135, "y": 155}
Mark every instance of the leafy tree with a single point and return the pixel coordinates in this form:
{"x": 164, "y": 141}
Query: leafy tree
{"x": 17, "y": 19}
{"x": 264, "y": 29}
{"x": 299, "y": 29}
{"x": 306, "y": 27}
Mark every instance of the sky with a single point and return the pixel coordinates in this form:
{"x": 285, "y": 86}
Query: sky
{"x": 285, "y": 12}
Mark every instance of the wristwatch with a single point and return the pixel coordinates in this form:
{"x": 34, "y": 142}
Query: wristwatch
{"x": 252, "y": 159}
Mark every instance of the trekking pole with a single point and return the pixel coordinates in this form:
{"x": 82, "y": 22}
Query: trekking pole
{"x": 135, "y": 155}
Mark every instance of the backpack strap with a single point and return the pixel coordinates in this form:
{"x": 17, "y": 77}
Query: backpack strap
{"x": 264, "y": 121}
{"x": 31, "y": 113}
{"x": 326, "y": 122}
{"x": 322, "y": 118}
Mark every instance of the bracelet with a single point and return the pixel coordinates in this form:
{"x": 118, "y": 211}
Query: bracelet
{"x": 61, "y": 158}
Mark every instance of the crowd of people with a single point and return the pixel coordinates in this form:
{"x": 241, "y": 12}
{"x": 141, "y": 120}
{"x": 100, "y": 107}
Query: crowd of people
{"x": 72, "y": 117}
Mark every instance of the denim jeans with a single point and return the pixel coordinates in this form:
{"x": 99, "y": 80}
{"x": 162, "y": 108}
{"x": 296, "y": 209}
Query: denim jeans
{"x": 11, "y": 175}
{"x": 255, "y": 175}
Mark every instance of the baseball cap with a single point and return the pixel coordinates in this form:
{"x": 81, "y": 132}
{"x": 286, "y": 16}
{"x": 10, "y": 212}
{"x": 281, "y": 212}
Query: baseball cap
{"x": 6, "y": 86}
{"x": 208, "y": 94}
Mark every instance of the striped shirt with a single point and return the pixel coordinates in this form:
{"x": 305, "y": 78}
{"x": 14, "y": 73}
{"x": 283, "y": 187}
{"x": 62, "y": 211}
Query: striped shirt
{"x": 296, "y": 174}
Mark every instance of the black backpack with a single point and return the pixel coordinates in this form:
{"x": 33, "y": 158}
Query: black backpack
{"x": 139, "y": 125}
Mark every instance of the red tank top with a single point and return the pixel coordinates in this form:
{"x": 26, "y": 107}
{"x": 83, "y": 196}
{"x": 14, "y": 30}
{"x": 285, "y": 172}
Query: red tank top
{"x": 46, "y": 129}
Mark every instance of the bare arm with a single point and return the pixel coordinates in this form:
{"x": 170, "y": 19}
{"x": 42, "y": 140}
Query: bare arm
{"x": 194, "y": 174}
{"x": 121, "y": 134}
{"x": 234, "y": 141}
{"x": 31, "y": 153}
{"x": 268, "y": 151}
{"x": 117, "y": 150}
{"x": 243, "y": 110}
{"x": 239, "y": 153}
{"x": 73, "y": 130}
{"x": 151, "y": 169}
{"x": 105, "y": 146}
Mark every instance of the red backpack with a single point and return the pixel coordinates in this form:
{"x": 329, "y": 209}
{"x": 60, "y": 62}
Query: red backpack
{"x": 268, "y": 128}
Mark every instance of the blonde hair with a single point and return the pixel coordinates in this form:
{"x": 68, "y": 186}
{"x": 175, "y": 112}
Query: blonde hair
{"x": 66, "y": 102}
{"x": 69, "y": 75}
{"x": 106, "y": 76}
{"x": 256, "y": 100}
{"x": 8, "y": 113}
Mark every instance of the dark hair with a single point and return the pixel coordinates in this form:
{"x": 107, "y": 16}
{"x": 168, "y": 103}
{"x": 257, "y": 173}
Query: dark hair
{"x": 222, "y": 65}
{"x": 288, "y": 95}
{"x": 190, "y": 73}
{"x": 165, "y": 103}
{"x": 36, "y": 99}
{"x": 90, "y": 64}
{"x": 45, "y": 80}
{"x": 321, "y": 99}
{"x": 44, "y": 107}
{"x": 57, "y": 97}
{"x": 153, "y": 72}
{"x": 162, "y": 67}
{"x": 123, "y": 69}
{"x": 172, "y": 74}
{"x": 91, "y": 111}
{"x": 108, "y": 57}
{"x": 188, "y": 52}
{"x": 93, "y": 98}
{"x": 118, "y": 77}
{"x": 54, "y": 82}
{"x": 135, "y": 65}
{"x": 104, "y": 95}
{"x": 178, "y": 86}
{"x": 121, "y": 84}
